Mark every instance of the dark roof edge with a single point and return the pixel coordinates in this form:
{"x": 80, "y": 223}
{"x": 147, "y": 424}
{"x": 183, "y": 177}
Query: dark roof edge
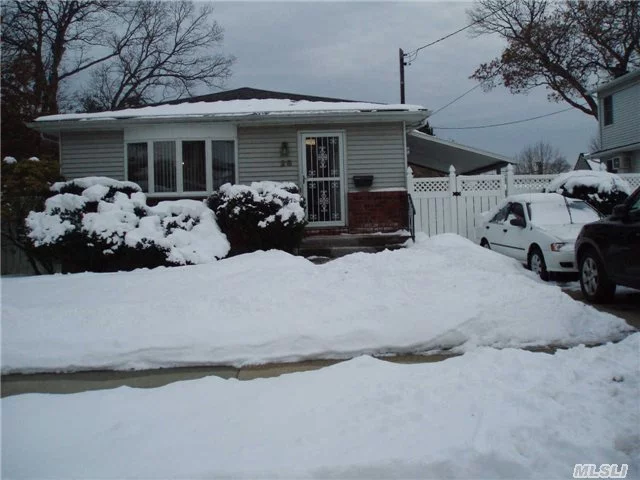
{"x": 248, "y": 93}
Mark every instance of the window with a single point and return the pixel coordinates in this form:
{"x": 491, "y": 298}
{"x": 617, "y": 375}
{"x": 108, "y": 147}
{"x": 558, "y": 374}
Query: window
{"x": 137, "y": 164}
{"x": 181, "y": 166}
{"x": 164, "y": 166}
{"x": 222, "y": 154}
{"x": 501, "y": 216}
{"x": 194, "y": 163}
{"x": 608, "y": 110}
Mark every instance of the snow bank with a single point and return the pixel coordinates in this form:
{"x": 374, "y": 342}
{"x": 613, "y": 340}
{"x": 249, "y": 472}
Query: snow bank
{"x": 604, "y": 182}
{"x": 9, "y": 160}
{"x": 445, "y": 292}
{"x": 488, "y": 414}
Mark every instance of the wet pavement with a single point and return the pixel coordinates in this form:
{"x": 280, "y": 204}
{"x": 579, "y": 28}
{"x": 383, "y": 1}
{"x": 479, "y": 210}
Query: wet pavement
{"x": 16, "y": 384}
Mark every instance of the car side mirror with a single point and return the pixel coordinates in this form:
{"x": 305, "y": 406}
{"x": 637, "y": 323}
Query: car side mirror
{"x": 518, "y": 222}
{"x": 619, "y": 211}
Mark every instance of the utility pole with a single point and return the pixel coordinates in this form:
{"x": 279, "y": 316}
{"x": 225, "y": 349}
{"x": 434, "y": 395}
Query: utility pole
{"x": 402, "y": 64}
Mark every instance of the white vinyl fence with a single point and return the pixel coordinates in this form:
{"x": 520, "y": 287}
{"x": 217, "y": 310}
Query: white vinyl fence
{"x": 452, "y": 204}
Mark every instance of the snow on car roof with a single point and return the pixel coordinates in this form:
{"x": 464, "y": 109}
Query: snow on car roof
{"x": 236, "y": 107}
{"x": 539, "y": 198}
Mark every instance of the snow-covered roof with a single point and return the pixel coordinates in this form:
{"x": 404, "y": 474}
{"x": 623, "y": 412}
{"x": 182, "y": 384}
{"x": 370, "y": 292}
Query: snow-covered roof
{"x": 273, "y": 107}
{"x": 595, "y": 164}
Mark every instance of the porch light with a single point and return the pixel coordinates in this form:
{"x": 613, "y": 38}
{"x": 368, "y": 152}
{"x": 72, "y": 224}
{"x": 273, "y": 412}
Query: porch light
{"x": 284, "y": 149}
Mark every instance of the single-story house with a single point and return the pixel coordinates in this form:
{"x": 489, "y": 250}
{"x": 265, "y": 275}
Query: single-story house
{"x": 348, "y": 157}
{"x": 429, "y": 156}
{"x": 619, "y": 123}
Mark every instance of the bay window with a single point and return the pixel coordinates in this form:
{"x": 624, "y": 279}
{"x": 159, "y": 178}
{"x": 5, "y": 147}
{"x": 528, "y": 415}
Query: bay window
{"x": 189, "y": 166}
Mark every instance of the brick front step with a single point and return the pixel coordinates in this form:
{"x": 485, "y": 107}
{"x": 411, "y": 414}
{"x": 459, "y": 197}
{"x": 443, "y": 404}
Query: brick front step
{"x": 333, "y": 246}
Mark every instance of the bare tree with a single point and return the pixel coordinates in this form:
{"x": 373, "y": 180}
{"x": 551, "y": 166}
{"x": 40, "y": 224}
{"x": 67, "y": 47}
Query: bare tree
{"x": 170, "y": 53}
{"x": 594, "y": 144}
{"x": 138, "y": 49}
{"x": 541, "y": 158}
{"x": 54, "y": 41}
{"x": 567, "y": 47}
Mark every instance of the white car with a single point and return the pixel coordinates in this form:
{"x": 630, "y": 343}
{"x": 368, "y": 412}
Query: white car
{"x": 538, "y": 229}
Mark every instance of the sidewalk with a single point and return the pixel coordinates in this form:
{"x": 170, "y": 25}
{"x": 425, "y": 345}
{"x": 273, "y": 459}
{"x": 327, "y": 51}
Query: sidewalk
{"x": 107, "y": 379}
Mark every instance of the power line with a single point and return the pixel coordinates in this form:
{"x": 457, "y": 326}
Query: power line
{"x": 456, "y": 99}
{"x": 415, "y": 52}
{"x": 505, "y": 123}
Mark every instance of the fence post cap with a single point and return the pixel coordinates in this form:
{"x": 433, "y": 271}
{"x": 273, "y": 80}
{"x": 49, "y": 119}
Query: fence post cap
{"x": 510, "y": 167}
{"x": 409, "y": 172}
{"x": 452, "y": 169}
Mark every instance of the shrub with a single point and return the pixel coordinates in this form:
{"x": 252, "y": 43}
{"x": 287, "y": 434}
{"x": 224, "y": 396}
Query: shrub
{"x": 25, "y": 186}
{"x": 602, "y": 190}
{"x": 262, "y": 216}
{"x": 98, "y": 224}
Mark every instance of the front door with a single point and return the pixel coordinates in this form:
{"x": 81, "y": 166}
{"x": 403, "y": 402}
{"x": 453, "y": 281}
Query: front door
{"x": 323, "y": 178}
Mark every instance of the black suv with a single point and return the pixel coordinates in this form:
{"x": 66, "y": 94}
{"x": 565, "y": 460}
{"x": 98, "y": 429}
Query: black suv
{"x": 608, "y": 252}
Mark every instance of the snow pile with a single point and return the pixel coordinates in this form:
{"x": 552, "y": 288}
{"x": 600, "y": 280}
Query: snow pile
{"x": 237, "y": 107}
{"x": 109, "y": 219}
{"x": 34, "y": 159}
{"x": 283, "y": 194}
{"x": 443, "y": 293}
{"x": 488, "y": 414}
{"x": 602, "y": 182}
{"x": 9, "y": 160}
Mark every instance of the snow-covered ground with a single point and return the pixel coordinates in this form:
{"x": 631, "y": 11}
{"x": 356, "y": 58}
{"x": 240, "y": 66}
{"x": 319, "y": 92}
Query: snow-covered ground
{"x": 445, "y": 292}
{"x": 488, "y": 414}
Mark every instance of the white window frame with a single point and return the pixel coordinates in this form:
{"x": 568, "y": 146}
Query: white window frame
{"x": 149, "y": 136}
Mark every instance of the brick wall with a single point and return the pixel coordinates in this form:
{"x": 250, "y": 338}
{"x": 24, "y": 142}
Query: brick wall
{"x": 371, "y": 212}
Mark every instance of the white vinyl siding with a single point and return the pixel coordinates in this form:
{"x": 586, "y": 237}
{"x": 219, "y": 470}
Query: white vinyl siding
{"x": 372, "y": 149}
{"x": 87, "y": 154}
{"x": 625, "y": 128}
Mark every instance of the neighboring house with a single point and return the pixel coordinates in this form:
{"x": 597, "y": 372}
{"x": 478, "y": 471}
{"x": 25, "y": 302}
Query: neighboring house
{"x": 619, "y": 121}
{"x": 584, "y": 163}
{"x": 429, "y": 156}
{"x": 188, "y": 148}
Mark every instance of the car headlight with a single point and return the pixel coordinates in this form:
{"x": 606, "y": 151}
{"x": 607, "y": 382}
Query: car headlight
{"x": 561, "y": 246}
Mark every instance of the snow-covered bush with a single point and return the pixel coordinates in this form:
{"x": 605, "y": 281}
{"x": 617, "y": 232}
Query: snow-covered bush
{"x": 261, "y": 216}
{"x": 602, "y": 190}
{"x": 100, "y": 224}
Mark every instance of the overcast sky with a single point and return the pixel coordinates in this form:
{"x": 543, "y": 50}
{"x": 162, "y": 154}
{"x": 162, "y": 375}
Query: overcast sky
{"x": 350, "y": 50}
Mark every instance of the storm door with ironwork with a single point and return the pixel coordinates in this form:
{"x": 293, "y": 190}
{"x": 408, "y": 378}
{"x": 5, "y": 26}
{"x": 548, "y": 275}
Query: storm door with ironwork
{"x": 323, "y": 178}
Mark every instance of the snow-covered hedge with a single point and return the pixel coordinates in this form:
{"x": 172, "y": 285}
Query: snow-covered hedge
{"x": 261, "y": 216}
{"x": 100, "y": 224}
{"x": 602, "y": 190}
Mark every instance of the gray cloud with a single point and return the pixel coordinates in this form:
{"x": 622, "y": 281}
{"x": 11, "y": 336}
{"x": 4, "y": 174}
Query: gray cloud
{"x": 350, "y": 50}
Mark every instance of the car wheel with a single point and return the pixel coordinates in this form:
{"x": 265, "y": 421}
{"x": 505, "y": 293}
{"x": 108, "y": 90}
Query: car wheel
{"x": 485, "y": 244}
{"x": 596, "y": 286}
{"x": 537, "y": 264}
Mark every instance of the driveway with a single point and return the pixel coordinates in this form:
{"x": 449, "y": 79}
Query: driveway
{"x": 626, "y": 304}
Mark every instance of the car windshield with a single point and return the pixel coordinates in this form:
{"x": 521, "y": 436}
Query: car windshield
{"x": 557, "y": 213}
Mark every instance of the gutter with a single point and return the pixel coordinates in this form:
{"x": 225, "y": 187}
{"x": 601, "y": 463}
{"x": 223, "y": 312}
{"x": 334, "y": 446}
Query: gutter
{"x": 614, "y": 150}
{"x": 57, "y": 126}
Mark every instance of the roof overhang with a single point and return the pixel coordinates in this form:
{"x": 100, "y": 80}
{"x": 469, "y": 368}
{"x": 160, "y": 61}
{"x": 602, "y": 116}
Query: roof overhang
{"x": 413, "y": 118}
{"x": 613, "y": 151}
{"x": 627, "y": 78}
{"x": 499, "y": 158}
